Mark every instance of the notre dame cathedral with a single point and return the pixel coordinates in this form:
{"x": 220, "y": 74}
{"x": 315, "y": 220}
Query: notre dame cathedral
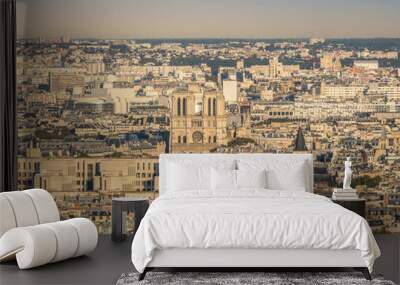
{"x": 198, "y": 120}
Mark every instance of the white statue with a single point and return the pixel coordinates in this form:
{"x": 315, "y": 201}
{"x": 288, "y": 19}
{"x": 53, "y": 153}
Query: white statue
{"x": 347, "y": 174}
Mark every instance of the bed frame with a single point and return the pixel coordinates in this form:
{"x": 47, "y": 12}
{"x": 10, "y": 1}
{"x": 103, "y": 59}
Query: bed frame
{"x": 242, "y": 259}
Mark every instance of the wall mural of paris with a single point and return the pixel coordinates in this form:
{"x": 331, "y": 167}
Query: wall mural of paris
{"x": 101, "y": 96}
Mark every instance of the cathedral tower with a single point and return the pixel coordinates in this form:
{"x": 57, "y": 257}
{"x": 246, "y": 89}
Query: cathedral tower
{"x": 198, "y": 121}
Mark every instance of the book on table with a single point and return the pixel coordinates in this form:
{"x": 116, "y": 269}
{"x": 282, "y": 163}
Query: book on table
{"x": 344, "y": 194}
{"x": 335, "y": 197}
{"x": 341, "y": 190}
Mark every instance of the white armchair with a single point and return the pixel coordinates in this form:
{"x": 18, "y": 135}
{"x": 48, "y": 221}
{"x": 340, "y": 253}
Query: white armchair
{"x": 31, "y": 230}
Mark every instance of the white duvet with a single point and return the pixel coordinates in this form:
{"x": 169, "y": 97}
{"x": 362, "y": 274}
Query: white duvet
{"x": 254, "y": 218}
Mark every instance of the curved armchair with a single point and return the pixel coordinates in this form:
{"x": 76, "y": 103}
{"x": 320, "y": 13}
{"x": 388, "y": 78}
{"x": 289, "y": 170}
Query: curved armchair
{"x": 31, "y": 230}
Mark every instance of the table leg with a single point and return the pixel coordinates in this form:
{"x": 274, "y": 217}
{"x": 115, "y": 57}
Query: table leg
{"x": 116, "y": 216}
{"x": 124, "y": 223}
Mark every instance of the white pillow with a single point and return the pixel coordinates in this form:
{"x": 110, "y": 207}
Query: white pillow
{"x": 223, "y": 179}
{"x": 251, "y": 178}
{"x": 182, "y": 177}
{"x": 283, "y": 174}
{"x": 188, "y": 167}
{"x": 292, "y": 180}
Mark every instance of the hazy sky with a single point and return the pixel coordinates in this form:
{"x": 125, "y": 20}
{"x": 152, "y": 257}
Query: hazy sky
{"x": 208, "y": 18}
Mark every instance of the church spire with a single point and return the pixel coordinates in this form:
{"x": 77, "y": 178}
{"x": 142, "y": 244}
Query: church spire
{"x": 300, "y": 142}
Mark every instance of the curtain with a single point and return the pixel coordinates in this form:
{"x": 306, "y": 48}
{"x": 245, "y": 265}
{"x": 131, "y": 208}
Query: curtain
{"x": 8, "y": 129}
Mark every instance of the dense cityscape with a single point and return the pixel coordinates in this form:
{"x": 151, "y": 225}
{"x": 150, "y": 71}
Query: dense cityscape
{"x": 94, "y": 115}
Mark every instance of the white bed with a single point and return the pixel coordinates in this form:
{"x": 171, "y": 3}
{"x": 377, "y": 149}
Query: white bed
{"x": 248, "y": 227}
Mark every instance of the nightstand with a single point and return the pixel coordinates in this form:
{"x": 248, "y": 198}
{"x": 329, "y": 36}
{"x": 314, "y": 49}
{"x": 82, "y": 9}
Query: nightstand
{"x": 355, "y": 205}
{"x": 120, "y": 208}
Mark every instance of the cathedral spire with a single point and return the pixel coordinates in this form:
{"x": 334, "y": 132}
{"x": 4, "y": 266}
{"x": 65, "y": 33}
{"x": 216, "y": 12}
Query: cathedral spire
{"x": 299, "y": 142}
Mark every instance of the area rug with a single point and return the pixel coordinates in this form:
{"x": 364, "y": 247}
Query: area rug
{"x": 243, "y": 278}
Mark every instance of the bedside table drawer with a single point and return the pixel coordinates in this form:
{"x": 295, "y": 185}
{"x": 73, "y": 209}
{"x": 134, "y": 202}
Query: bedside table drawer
{"x": 357, "y": 206}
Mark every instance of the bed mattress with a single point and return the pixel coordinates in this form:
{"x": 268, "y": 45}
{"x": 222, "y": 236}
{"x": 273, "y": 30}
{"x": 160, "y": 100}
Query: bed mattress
{"x": 250, "y": 219}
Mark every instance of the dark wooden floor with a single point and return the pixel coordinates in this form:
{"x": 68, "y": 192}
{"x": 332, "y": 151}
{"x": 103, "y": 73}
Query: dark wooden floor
{"x": 110, "y": 260}
{"x": 103, "y": 266}
{"x": 389, "y": 262}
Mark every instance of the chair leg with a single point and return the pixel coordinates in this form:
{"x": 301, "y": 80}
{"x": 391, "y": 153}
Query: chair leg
{"x": 143, "y": 274}
{"x": 364, "y": 271}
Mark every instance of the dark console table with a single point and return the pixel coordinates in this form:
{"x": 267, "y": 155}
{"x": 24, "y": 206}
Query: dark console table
{"x": 120, "y": 208}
